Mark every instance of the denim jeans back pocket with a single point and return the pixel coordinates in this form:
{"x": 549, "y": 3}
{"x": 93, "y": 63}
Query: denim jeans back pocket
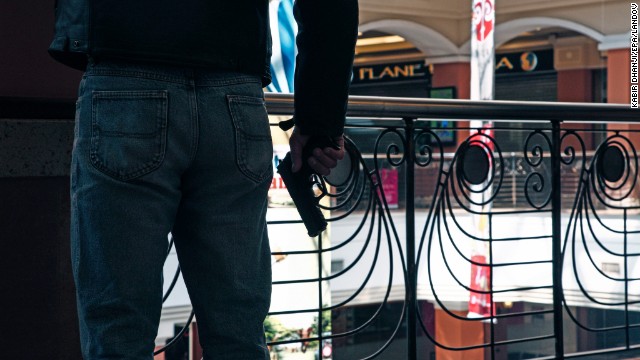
{"x": 128, "y": 132}
{"x": 254, "y": 148}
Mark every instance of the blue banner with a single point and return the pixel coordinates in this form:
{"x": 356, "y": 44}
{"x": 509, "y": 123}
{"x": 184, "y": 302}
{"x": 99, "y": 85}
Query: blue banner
{"x": 283, "y": 34}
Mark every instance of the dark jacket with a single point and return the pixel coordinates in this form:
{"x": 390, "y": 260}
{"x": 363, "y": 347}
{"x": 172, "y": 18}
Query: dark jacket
{"x": 220, "y": 34}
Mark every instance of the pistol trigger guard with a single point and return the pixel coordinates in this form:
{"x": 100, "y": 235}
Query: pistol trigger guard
{"x": 286, "y": 124}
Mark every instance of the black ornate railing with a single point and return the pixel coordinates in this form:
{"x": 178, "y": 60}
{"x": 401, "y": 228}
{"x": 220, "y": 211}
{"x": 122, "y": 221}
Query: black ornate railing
{"x": 518, "y": 239}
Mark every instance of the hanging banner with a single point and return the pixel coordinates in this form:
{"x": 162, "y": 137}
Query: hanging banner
{"x": 482, "y": 50}
{"x": 482, "y": 88}
{"x": 479, "y": 301}
{"x": 283, "y": 45}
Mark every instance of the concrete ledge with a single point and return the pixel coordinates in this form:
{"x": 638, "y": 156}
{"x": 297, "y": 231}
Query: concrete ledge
{"x": 35, "y": 148}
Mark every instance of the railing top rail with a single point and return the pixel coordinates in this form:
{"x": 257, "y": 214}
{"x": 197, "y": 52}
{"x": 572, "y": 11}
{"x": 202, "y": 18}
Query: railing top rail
{"x": 531, "y": 111}
{"x": 387, "y": 107}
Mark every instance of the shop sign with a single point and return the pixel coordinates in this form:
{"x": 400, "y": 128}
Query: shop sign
{"x": 524, "y": 62}
{"x": 390, "y": 72}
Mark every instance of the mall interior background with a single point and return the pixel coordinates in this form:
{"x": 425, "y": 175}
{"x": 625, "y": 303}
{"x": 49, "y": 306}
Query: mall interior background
{"x": 560, "y": 50}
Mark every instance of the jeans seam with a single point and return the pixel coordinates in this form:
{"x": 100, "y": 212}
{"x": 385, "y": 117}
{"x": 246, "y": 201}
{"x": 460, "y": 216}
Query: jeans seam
{"x": 241, "y": 145}
{"x": 76, "y": 233}
{"x": 195, "y": 120}
{"x": 139, "y": 74}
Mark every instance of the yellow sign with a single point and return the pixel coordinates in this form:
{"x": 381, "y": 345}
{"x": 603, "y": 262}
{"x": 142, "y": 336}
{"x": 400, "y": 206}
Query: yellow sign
{"x": 391, "y": 72}
{"x": 504, "y": 62}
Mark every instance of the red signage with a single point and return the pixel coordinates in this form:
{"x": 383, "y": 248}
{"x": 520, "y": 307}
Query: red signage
{"x": 389, "y": 178}
{"x": 480, "y": 302}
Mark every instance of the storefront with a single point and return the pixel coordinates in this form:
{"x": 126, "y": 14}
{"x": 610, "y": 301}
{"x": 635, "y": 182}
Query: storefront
{"x": 526, "y": 75}
{"x": 406, "y": 79}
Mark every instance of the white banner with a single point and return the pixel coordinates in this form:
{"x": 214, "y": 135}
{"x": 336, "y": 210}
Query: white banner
{"x": 482, "y": 88}
{"x": 482, "y": 50}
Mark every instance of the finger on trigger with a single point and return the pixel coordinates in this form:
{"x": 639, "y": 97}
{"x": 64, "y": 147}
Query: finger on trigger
{"x": 317, "y": 166}
{"x": 334, "y": 154}
{"x": 326, "y": 160}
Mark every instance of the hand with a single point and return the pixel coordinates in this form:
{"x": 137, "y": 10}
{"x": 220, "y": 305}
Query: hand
{"x": 321, "y": 160}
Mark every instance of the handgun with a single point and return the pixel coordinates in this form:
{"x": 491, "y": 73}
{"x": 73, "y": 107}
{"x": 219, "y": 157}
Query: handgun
{"x": 300, "y": 185}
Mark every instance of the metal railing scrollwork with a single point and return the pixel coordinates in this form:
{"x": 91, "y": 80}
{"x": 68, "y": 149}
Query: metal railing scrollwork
{"x": 542, "y": 236}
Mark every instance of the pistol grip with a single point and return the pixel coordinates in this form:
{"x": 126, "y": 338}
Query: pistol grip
{"x": 300, "y": 188}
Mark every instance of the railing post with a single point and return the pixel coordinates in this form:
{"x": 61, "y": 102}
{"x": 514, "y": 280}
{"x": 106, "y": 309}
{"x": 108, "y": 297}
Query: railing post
{"x": 627, "y": 336}
{"x": 411, "y": 298}
{"x": 320, "y": 299}
{"x": 556, "y": 214}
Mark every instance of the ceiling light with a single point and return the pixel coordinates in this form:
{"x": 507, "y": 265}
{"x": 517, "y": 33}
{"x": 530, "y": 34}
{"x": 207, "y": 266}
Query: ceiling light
{"x": 391, "y": 39}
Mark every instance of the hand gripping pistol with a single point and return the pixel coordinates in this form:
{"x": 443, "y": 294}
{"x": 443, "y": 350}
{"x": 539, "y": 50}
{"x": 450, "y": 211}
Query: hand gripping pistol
{"x": 300, "y": 184}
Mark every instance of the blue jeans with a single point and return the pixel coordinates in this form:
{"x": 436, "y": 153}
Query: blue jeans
{"x": 161, "y": 149}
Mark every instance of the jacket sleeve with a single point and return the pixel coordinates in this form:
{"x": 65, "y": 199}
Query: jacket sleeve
{"x": 327, "y": 34}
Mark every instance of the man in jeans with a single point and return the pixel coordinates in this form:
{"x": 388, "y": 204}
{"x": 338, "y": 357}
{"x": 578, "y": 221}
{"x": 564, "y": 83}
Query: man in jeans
{"x": 172, "y": 136}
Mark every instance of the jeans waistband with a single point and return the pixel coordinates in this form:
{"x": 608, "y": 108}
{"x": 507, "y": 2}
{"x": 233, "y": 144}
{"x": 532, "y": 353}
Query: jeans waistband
{"x": 166, "y": 72}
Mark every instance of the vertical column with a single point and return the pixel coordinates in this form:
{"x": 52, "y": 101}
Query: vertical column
{"x": 575, "y": 85}
{"x": 458, "y": 75}
{"x": 459, "y": 333}
{"x": 618, "y": 76}
{"x": 618, "y": 86}
{"x": 453, "y": 74}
